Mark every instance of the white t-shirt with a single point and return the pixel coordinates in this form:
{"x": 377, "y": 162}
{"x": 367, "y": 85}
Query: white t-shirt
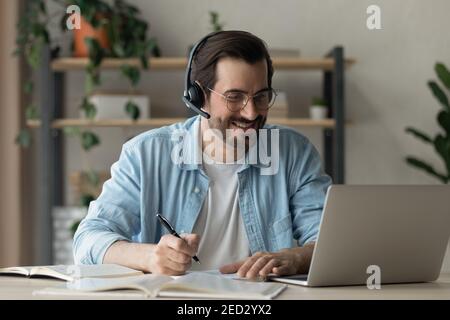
{"x": 223, "y": 239}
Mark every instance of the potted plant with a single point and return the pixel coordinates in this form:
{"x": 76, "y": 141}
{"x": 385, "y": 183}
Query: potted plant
{"x": 106, "y": 31}
{"x": 93, "y": 24}
{"x": 318, "y": 109}
{"x": 441, "y": 141}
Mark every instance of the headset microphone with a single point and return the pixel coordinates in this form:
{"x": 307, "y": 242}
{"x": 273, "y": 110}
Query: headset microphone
{"x": 193, "y": 95}
{"x": 191, "y": 106}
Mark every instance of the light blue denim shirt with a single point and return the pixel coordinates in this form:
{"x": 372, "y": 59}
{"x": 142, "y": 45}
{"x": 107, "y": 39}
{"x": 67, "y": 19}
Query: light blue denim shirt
{"x": 275, "y": 208}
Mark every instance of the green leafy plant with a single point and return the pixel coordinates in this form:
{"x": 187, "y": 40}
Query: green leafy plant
{"x": 214, "y": 20}
{"x": 127, "y": 35}
{"x": 88, "y": 139}
{"x": 128, "y": 38}
{"x": 441, "y": 141}
{"x": 96, "y": 55}
{"x": 318, "y": 101}
{"x": 32, "y": 37}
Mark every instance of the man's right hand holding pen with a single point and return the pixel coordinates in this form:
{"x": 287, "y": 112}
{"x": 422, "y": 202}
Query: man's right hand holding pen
{"x": 172, "y": 255}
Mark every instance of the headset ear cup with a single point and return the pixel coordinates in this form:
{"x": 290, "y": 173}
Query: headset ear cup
{"x": 196, "y": 95}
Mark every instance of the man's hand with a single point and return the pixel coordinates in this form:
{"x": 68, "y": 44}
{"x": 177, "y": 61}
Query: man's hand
{"x": 284, "y": 262}
{"x": 172, "y": 255}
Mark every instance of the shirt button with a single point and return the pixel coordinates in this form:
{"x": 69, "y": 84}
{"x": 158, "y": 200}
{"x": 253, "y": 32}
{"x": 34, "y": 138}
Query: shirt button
{"x": 196, "y": 190}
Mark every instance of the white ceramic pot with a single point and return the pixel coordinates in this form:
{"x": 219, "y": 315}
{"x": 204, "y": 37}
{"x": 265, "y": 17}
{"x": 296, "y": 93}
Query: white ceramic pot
{"x": 318, "y": 112}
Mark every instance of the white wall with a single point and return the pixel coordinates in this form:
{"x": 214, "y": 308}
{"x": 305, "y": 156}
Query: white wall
{"x": 385, "y": 91}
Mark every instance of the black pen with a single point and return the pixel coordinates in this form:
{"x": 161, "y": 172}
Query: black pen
{"x": 172, "y": 231}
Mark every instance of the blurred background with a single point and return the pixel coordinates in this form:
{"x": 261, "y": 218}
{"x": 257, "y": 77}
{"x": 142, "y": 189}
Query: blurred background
{"x": 70, "y": 98}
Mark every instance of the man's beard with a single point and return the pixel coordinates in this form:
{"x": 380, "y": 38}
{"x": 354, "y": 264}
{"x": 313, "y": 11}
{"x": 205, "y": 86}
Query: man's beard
{"x": 226, "y": 125}
{"x": 223, "y": 125}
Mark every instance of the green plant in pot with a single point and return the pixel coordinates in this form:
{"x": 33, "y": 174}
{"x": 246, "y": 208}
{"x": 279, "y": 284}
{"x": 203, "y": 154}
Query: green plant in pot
{"x": 318, "y": 109}
{"x": 113, "y": 31}
{"x": 441, "y": 141}
{"x": 126, "y": 38}
{"x": 94, "y": 18}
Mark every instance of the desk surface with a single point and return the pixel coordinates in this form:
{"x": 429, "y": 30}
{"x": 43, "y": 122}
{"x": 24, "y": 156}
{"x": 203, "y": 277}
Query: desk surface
{"x": 22, "y": 288}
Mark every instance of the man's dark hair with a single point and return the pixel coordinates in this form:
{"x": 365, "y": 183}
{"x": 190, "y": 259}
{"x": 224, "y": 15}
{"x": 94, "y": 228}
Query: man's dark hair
{"x": 233, "y": 44}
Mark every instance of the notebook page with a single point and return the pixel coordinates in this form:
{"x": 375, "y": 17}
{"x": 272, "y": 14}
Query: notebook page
{"x": 16, "y": 270}
{"x": 148, "y": 284}
{"x": 95, "y": 271}
{"x": 201, "y": 284}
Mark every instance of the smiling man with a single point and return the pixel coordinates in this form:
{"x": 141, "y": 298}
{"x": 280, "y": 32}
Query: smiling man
{"x": 232, "y": 214}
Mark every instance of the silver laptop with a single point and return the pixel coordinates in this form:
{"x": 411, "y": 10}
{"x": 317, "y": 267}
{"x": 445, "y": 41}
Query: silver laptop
{"x": 404, "y": 230}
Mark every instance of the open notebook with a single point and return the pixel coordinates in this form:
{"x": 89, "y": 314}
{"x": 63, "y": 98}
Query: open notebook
{"x": 72, "y": 272}
{"x": 191, "y": 285}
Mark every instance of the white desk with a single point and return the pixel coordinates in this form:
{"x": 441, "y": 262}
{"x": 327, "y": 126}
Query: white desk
{"x": 22, "y": 288}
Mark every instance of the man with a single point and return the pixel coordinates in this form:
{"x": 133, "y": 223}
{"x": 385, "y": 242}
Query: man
{"x": 234, "y": 215}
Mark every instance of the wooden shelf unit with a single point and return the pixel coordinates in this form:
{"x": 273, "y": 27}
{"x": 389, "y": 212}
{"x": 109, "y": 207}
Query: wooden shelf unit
{"x": 157, "y": 122}
{"x": 178, "y": 63}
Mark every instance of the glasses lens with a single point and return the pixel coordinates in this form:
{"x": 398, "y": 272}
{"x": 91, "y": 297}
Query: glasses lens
{"x": 235, "y": 100}
{"x": 264, "y": 100}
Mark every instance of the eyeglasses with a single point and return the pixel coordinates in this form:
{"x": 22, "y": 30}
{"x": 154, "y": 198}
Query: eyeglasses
{"x": 236, "y": 101}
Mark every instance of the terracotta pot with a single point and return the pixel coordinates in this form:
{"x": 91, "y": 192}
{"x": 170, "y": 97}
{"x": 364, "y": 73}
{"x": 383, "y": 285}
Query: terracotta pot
{"x": 88, "y": 31}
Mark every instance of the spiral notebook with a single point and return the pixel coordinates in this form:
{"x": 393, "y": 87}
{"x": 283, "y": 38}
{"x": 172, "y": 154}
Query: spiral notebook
{"x": 192, "y": 285}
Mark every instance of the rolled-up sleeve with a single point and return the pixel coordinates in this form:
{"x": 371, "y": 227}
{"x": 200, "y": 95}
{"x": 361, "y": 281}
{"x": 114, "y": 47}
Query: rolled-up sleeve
{"x": 114, "y": 215}
{"x": 310, "y": 185}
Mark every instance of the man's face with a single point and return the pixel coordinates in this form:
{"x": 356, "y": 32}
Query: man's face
{"x": 236, "y": 75}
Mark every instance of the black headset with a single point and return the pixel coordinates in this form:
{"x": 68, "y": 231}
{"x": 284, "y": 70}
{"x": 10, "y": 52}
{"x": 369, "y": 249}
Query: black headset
{"x": 193, "y": 95}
